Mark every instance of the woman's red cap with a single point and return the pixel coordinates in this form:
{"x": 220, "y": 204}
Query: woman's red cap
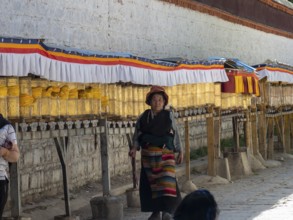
{"x": 156, "y": 90}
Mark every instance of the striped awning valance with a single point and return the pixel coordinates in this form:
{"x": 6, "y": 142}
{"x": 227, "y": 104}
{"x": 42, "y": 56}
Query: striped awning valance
{"x": 19, "y": 57}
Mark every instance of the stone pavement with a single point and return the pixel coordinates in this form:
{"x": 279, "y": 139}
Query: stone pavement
{"x": 265, "y": 195}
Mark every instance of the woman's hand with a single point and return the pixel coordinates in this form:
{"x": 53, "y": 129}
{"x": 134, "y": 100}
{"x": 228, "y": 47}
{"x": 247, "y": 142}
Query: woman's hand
{"x": 10, "y": 155}
{"x": 3, "y": 151}
{"x": 179, "y": 158}
{"x": 132, "y": 152}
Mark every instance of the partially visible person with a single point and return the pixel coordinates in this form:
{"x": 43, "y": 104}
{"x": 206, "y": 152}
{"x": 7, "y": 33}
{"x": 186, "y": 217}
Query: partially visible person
{"x": 9, "y": 153}
{"x": 157, "y": 136}
{"x": 198, "y": 205}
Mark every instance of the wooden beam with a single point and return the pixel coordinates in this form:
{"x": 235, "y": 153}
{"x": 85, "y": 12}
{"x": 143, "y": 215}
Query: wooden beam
{"x": 105, "y": 159}
{"x": 287, "y": 133}
{"x": 247, "y": 131}
{"x": 279, "y": 121}
{"x": 270, "y": 135}
{"x": 213, "y": 129}
{"x": 254, "y": 132}
{"x": 217, "y": 134}
{"x": 187, "y": 151}
{"x": 236, "y": 134}
{"x": 15, "y": 194}
{"x": 262, "y": 125}
{"x": 61, "y": 144}
{"x": 291, "y": 129}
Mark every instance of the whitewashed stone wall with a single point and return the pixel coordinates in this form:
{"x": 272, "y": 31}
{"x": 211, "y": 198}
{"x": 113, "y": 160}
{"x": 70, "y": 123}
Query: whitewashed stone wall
{"x": 40, "y": 168}
{"x": 146, "y": 28}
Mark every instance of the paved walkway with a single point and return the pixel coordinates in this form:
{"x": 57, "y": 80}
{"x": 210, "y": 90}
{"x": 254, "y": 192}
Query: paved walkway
{"x": 265, "y": 195}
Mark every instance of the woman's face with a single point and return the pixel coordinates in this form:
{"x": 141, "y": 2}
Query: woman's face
{"x": 157, "y": 103}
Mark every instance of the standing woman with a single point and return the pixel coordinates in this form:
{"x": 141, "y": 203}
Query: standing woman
{"x": 157, "y": 136}
{"x": 9, "y": 152}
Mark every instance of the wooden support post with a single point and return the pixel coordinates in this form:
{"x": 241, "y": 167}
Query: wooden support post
{"x": 133, "y": 162}
{"x": 187, "y": 151}
{"x": 262, "y": 125}
{"x": 61, "y": 144}
{"x": 236, "y": 134}
{"x": 15, "y": 190}
{"x": 270, "y": 136}
{"x": 15, "y": 186}
{"x": 287, "y": 133}
{"x": 213, "y": 144}
{"x": 217, "y": 133}
{"x": 247, "y": 131}
{"x": 281, "y": 134}
{"x": 254, "y": 132}
{"x": 291, "y": 129}
{"x": 105, "y": 159}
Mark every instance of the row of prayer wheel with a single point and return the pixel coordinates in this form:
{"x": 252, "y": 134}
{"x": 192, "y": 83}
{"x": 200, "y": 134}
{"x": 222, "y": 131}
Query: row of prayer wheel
{"x": 29, "y": 97}
{"x": 276, "y": 94}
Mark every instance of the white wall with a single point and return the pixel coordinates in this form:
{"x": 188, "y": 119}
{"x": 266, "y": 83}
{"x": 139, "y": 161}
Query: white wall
{"x": 145, "y": 28}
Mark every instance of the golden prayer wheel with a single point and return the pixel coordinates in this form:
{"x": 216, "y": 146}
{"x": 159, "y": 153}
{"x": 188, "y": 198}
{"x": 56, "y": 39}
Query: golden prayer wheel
{"x": 111, "y": 107}
{"x": 112, "y": 91}
{"x": 189, "y": 100}
{"x": 3, "y": 106}
{"x": 173, "y": 100}
{"x": 118, "y": 108}
{"x": 129, "y": 101}
{"x": 25, "y": 91}
{"x": 72, "y": 106}
{"x": 87, "y": 106}
{"x": 13, "y": 97}
{"x": 217, "y": 94}
{"x": 55, "y": 107}
{"x": 135, "y": 94}
{"x": 200, "y": 94}
{"x": 3, "y": 96}
{"x": 194, "y": 98}
{"x": 13, "y": 106}
{"x": 63, "y": 107}
{"x": 123, "y": 101}
{"x": 141, "y": 95}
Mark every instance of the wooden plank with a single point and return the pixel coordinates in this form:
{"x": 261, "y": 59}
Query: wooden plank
{"x": 61, "y": 144}
{"x": 15, "y": 184}
{"x": 291, "y": 129}
{"x": 279, "y": 121}
{"x": 187, "y": 151}
{"x": 133, "y": 162}
{"x": 236, "y": 134}
{"x": 270, "y": 136}
{"x": 105, "y": 159}
{"x": 211, "y": 147}
{"x": 217, "y": 135}
{"x": 247, "y": 131}
{"x": 287, "y": 132}
{"x": 254, "y": 135}
{"x": 213, "y": 142}
{"x": 262, "y": 134}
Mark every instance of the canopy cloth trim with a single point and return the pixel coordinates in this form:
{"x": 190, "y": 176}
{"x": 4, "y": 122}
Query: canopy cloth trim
{"x": 19, "y": 57}
{"x": 275, "y": 74}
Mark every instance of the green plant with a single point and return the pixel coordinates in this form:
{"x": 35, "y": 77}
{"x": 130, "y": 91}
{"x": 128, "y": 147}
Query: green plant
{"x": 230, "y": 143}
{"x": 197, "y": 153}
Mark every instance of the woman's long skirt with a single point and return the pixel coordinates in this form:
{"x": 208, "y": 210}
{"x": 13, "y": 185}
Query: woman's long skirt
{"x": 158, "y": 187}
